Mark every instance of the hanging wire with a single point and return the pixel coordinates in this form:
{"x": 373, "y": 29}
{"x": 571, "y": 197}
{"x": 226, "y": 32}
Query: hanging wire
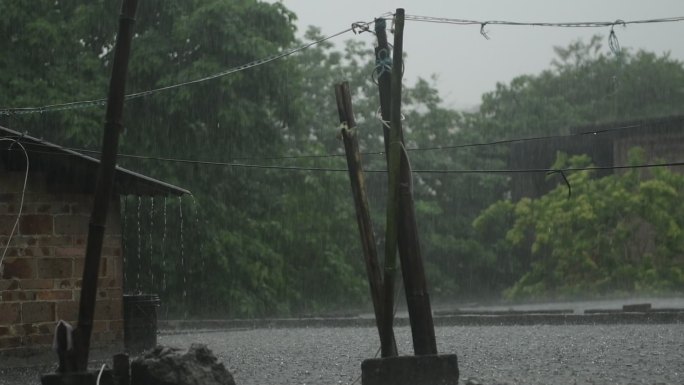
{"x": 21, "y": 203}
{"x": 612, "y": 39}
{"x": 578, "y": 24}
{"x": 613, "y": 42}
{"x": 230, "y": 71}
{"x": 321, "y": 156}
{"x": 357, "y": 26}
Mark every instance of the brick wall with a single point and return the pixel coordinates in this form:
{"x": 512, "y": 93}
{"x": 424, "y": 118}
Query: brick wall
{"x": 41, "y": 273}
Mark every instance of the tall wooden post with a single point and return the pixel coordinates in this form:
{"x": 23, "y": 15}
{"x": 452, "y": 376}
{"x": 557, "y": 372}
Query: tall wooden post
{"x": 351, "y": 146}
{"x": 402, "y": 229}
{"x": 105, "y": 182}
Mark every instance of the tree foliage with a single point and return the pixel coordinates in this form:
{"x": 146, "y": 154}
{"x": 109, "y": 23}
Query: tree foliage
{"x": 622, "y": 233}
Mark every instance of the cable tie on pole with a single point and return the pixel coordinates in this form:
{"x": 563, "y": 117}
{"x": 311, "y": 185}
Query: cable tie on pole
{"x": 565, "y": 179}
{"x": 383, "y": 64}
{"x": 482, "y": 30}
{"x": 360, "y": 27}
{"x": 613, "y": 42}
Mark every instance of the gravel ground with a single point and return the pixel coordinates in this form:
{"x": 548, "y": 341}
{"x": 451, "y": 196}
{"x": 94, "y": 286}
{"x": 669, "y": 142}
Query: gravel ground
{"x": 600, "y": 354}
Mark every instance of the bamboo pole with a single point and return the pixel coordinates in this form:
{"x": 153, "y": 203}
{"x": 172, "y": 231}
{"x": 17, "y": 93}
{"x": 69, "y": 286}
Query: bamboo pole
{"x": 393, "y": 165}
{"x": 413, "y": 273}
{"x": 105, "y": 182}
{"x": 351, "y": 146}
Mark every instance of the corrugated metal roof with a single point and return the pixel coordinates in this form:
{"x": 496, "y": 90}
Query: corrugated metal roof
{"x": 68, "y": 166}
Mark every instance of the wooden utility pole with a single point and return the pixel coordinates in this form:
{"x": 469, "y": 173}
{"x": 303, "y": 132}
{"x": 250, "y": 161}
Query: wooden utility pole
{"x": 105, "y": 182}
{"x": 358, "y": 185}
{"x": 402, "y": 230}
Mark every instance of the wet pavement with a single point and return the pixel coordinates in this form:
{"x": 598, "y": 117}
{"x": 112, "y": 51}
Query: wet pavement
{"x": 605, "y": 354}
{"x": 542, "y": 354}
{"x": 530, "y": 354}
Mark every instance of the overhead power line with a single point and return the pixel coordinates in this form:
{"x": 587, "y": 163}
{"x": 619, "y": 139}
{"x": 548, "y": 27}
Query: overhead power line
{"x": 136, "y": 95}
{"x": 612, "y": 38}
{"x": 378, "y": 171}
{"x": 357, "y": 26}
{"x": 593, "y": 132}
{"x": 573, "y": 24}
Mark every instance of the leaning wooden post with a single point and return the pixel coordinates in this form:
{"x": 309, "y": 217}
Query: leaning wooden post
{"x": 393, "y": 168}
{"x": 351, "y": 146}
{"x": 413, "y": 272}
{"x": 105, "y": 182}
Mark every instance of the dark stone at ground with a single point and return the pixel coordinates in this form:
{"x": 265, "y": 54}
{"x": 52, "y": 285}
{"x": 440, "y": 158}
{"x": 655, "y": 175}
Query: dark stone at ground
{"x": 172, "y": 366}
{"x": 439, "y": 369}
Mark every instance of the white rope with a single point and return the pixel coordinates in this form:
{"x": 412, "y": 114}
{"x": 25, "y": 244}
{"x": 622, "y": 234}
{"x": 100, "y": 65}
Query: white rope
{"x": 21, "y": 204}
{"x": 99, "y": 375}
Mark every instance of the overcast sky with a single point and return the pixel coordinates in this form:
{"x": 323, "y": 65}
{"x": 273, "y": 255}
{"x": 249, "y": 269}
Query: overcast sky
{"x": 467, "y": 64}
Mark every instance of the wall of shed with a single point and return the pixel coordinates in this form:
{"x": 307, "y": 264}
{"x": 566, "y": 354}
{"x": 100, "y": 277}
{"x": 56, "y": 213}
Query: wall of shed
{"x": 42, "y": 270}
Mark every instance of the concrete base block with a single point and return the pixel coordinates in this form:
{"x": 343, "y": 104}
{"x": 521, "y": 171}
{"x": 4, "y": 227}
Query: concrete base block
{"x": 441, "y": 369}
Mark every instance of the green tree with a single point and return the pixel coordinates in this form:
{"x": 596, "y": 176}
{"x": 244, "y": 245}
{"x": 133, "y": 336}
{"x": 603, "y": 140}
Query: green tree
{"x": 617, "y": 234}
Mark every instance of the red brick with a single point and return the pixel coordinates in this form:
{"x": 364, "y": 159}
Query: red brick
{"x": 55, "y": 267}
{"x": 64, "y": 284}
{"x": 108, "y": 309}
{"x": 10, "y": 313}
{"x": 100, "y": 326}
{"x": 116, "y": 325}
{"x": 78, "y": 267}
{"x": 6, "y": 223}
{"x": 14, "y": 252}
{"x": 71, "y": 224}
{"x": 9, "y": 208}
{"x": 115, "y": 293}
{"x": 67, "y": 311}
{"x": 54, "y": 295}
{"x": 18, "y": 295}
{"x": 108, "y": 283}
{"x": 25, "y": 329}
{"x": 18, "y": 268}
{"x": 36, "y": 224}
{"x": 49, "y": 208}
{"x": 37, "y": 251}
{"x": 102, "y": 337}
{"x": 69, "y": 251}
{"x": 54, "y": 240}
{"x": 84, "y": 208}
{"x": 46, "y": 328}
{"x": 112, "y": 241}
{"x": 9, "y": 284}
{"x": 41, "y": 197}
{"x": 37, "y": 312}
{"x": 39, "y": 339}
{"x": 10, "y": 342}
{"x": 111, "y": 251}
{"x": 33, "y": 284}
{"x": 9, "y": 197}
{"x": 17, "y": 240}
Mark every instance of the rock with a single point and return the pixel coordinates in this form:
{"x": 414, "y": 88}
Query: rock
{"x": 172, "y": 366}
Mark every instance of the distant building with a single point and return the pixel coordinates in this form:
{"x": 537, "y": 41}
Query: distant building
{"x": 662, "y": 139}
{"x": 42, "y": 269}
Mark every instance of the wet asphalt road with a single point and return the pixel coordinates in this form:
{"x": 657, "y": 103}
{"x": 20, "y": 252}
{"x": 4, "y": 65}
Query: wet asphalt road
{"x": 597, "y": 354}
{"x": 606, "y": 354}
